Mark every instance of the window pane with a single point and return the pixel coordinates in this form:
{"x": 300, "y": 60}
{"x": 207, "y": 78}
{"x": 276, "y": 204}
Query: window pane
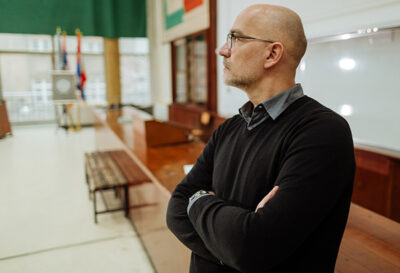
{"x": 191, "y": 70}
{"x": 135, "y": 80}
{"x": 25, "y": 42}
{"x": 198, "y": 69}
{"x": 138, "y": 46}
{"x": 26, "y": 86}
{"x": 135, "y": 71}
{"x": 91, "y": 45}
{"x": 26, "y": 76}
{"x": 180, "y": 60}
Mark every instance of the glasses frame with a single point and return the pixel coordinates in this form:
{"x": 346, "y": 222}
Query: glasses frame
{"x": 229, "y": 37}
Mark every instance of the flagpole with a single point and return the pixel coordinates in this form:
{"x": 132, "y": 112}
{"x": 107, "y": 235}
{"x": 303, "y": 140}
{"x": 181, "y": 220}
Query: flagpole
{"x": 79, "y": 80}
{"x": 59, "y": 59}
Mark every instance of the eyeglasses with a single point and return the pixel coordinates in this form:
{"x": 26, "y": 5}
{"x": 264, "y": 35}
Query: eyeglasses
{"x": 230, "y": 36}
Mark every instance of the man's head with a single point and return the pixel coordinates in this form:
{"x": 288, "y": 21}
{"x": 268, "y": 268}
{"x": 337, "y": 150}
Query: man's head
{"x": 277, "y": 51}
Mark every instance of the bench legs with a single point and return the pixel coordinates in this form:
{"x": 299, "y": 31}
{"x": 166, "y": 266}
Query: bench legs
{"x": 126, "y": 191}
{"x": 87, "y": 182}
{"x": 94, "y": 206}
{"x": 125, "y": 206}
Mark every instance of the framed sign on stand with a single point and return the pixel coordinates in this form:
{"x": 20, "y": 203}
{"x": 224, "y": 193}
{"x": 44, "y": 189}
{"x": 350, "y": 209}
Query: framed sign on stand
{"x": 64, "y": 97}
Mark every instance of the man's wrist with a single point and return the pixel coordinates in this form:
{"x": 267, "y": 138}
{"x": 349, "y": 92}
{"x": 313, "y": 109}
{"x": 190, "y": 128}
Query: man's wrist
{"x": 198, "y": 193}
{"x": 195, "y": 196}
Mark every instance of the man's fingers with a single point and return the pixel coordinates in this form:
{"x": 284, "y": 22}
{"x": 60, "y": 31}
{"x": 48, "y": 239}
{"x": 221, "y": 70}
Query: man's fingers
{"x": 267, "y": 198}
{"x": 272, "y": 192}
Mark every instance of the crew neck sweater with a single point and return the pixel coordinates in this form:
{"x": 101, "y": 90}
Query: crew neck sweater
{"x": 308, "y": 152}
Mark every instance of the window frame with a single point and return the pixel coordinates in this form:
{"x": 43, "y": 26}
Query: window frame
{"x": 210, "y": 38}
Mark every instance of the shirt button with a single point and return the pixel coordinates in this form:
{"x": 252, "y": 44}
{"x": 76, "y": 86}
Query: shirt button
{"x": 260, "y": 106}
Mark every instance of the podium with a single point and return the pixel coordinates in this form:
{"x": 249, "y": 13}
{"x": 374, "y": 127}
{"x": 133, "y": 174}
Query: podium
{"x": 155, "y": 133}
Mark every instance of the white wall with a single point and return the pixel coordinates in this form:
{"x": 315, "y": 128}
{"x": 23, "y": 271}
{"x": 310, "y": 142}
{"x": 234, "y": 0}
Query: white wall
{"x": 160, "y": 61}
{"x": 366, "y": 95}
{"x": 320, "y": 18}
{"x": 371, "y": 89}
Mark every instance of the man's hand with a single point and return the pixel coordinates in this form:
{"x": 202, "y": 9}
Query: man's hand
{"x": 267, "y": 198}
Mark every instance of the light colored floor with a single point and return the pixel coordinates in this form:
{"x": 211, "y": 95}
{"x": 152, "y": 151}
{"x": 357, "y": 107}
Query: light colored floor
{"x": 46, "y": 218}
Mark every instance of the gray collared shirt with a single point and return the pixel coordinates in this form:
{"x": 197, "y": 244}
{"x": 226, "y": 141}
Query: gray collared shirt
{"x": 272, "y": 107}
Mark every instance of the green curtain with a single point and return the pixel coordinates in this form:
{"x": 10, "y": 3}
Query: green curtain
{"x": 106, "y": 18}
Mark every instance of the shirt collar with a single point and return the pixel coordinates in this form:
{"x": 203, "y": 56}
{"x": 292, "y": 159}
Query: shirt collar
{"x": 273, "y": 106}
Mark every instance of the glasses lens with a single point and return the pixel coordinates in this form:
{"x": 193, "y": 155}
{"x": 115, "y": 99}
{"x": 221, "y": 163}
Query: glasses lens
{"x": 229, "y": 40}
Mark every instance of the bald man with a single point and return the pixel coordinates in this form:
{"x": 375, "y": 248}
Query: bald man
{"x": 271, "y": 190}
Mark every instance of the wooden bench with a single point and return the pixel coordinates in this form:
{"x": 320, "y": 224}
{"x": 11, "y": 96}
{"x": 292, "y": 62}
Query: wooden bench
{"x": 112, "y": 170}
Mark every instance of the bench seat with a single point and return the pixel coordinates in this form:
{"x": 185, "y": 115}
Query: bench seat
{"x": 111, "y": 170}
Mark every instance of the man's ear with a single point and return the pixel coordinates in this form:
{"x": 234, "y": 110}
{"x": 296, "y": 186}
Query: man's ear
{"x": 273, "y": 54}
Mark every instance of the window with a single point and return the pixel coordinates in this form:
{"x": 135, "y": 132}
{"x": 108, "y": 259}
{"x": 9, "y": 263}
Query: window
{"x": 26, "y": 62}
{"x": 135, "y": 71}
{"x": 25, "y": 65}
{"x": 190, "y": 70}
{"x": 194, "y": 83}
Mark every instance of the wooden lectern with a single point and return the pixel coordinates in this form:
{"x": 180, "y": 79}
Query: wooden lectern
{"x": 156, "y": 132}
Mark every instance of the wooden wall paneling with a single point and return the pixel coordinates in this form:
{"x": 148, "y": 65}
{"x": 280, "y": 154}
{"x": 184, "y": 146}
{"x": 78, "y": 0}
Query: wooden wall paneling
{"x": 373, "y": 162}
{"x": 5, "y": 127}
{"x": 173, "y": 71}
{"x": 7, "y": 124}
{"x": 395, "y": 206}
{"x": 377, "y": 182}
{"x": 372, "y": 183}
{"x": 2, "y": 130}
{"x": 186, "y": 116}
{"x": 211, "y": 35}
{"x": 371, "y": 190}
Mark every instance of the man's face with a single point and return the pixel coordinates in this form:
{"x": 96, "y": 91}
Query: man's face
{"x": 244, "y": 62}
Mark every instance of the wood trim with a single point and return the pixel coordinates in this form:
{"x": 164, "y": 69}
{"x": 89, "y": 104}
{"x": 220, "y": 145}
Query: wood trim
{"x": 372, "y": 161}
{"x": 395, "y": 205}
{"x": 211, "y": 35}
{"x": 5, "y": 127}
{"x": 173, "y": 64}
{"x": 188, "y": 98}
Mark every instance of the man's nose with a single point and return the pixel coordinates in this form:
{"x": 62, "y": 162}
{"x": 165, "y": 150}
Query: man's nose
{"x": 224, "y": 50}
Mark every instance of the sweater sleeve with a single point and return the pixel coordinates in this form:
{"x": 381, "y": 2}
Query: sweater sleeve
{"x": 316, "y": 171}
{"x": 199, "y": 178}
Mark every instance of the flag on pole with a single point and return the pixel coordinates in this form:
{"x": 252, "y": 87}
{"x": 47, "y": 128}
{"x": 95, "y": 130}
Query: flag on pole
{"x": 59, "y": 58}
{"x": 80, "y": 69}
{"x": 64, "y": 51}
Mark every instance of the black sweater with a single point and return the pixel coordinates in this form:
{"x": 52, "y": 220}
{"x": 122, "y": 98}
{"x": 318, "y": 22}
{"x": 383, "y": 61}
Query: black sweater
{"x": 308, "y": 152}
